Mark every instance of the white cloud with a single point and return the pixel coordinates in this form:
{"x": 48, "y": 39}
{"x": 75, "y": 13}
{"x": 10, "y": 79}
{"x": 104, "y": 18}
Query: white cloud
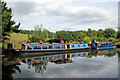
{"x": 63, "y": 12}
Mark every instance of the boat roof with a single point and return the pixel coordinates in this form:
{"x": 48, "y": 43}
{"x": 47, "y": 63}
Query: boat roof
{"x": 52, "y": 44}
{"x": 104, "y": 42}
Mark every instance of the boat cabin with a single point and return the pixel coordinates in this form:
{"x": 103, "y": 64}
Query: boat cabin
{"x": 102, "y": 45}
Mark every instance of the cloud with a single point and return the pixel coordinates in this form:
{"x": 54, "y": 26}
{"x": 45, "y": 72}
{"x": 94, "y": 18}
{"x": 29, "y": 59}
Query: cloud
{"x": 81, "y": 67}
{"x": 62, "y": 12}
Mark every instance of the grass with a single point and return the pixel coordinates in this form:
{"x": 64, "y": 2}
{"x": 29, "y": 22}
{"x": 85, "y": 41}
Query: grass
{"x": 17, "y": 39}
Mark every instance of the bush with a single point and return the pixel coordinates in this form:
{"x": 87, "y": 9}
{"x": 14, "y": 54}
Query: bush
{"x": 86, "y": 39}
{"x": 111, "y": 39}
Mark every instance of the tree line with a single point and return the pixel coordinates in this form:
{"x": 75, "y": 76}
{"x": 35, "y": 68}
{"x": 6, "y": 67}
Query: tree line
{"x": 40, "y": 33}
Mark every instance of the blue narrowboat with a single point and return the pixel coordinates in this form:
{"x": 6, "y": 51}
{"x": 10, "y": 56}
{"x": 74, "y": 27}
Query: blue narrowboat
{"x": 103, "y": 45}
{"x": 47, "y": 47}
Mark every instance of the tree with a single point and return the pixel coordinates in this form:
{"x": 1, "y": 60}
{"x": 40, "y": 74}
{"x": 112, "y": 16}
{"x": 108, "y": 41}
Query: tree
{"x": 63, "y": 34}
{"x": 7, "y": 24}
{"x": 118, "y": 33}
{"x": 81, "y": 36}
{"x": 87, "y": 40}
{"x": 100, "y": 33}
{"x": 39, "y": 34}
{"x": 92, "y": 33}
{"x": 112, "y": 39}
{"x": 109, "y": 32}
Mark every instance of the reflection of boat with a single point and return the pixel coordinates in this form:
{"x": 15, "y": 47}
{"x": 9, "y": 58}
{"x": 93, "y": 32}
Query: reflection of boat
{"x": 102, "y": 45}
{"x": 57, "y": 57}
{"x": 107, "y": 52}
{"x": 47, "y": 47}
{"x": 62, "y": 61}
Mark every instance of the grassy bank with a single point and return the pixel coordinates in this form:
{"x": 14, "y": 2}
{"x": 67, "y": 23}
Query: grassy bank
{"x": 17, "y": 39}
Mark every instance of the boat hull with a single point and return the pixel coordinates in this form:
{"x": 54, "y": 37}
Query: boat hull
{"x": 106, "y": 47}
{"x": 51, "y": 51}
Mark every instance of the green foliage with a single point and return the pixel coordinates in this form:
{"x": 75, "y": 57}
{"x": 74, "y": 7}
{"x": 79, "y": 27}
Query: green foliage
{"x": 8, "y": 25}
{"x": 87, "y": 40}
{"x": 39, "y": 34}
{"x": 92, "y": 33}
{"x": 100, "y": 33}
{"x": 26, "y": 31}
{"x": 118, "y": 36}
{"x": 63, "y": 34}
{"x": 81, "y": 36}
{"x": 109, "y": 33}
{"x": 17, "y": 39}
{"x": 112, "y": 39}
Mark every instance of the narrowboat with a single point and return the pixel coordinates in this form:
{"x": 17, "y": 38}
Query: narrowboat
{"x": 50, "y": 47}
{"x": 102, "y": 45}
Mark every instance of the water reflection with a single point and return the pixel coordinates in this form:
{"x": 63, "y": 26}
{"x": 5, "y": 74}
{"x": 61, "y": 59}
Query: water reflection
{"x": 78, "y": 63}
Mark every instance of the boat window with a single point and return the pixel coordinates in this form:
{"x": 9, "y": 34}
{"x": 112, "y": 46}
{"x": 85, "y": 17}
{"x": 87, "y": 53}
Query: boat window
{"x": 29, "y": 47}
{"x": 50, "y": 47}
{"x": 107, "y": 44}
{"x": 44, "y": 47}
{"x": 98, "y": 44}
{"x": 37, "y": 47}
{"x": 81, "y": 45}
{"x": 78, "y": 45}
{"x": 57, "y": 46}
{"x": 73, "y": 45}
{"x": 63, "y": 46}
{"x": 102, "y": 44}
{"x": 112, "y": 43}
{"x": 84, "y": 45}
{"x": 68, "y": 46}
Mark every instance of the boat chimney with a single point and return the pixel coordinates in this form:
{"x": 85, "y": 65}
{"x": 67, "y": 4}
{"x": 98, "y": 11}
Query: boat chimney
{"x": 40, "y": 41}
{"x": 62, "y": 41}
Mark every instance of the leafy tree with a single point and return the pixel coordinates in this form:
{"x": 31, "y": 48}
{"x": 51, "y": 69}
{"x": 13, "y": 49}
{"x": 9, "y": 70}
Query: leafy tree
{"x": 109, "y": 32}
{"x": 87, "y": 40}
{"x": 81, "y": 36}
{"x": 7, "y": 24}
{"x": 118, "y": 33}
{"x": 63, "y": 35}
{"x": 92, "y": 33}
{"x": 100, "y": 33}
{"x": 112, "y": 39}
{"x": 39, "y": 34}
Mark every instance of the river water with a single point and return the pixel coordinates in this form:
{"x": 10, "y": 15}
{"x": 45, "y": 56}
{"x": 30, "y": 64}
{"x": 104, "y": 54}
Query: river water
{"x": 94, "y": 64}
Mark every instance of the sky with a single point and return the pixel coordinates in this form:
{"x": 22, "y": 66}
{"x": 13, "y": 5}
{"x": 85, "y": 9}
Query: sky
{"x": 72, "y": 15}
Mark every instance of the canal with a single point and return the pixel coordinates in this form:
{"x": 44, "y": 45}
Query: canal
{"x": 94, "y": 64}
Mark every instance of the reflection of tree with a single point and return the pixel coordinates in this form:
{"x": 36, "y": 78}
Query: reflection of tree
{"x": 9, "y": 65}
{"x": 39, "y": 67}
{"x": 108, "y": 53}
{"x": 111, "y": 53}
{"x": 7, "y": 71}
{"x": 89, "y": 56}
{"x": 118, "y": 53}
